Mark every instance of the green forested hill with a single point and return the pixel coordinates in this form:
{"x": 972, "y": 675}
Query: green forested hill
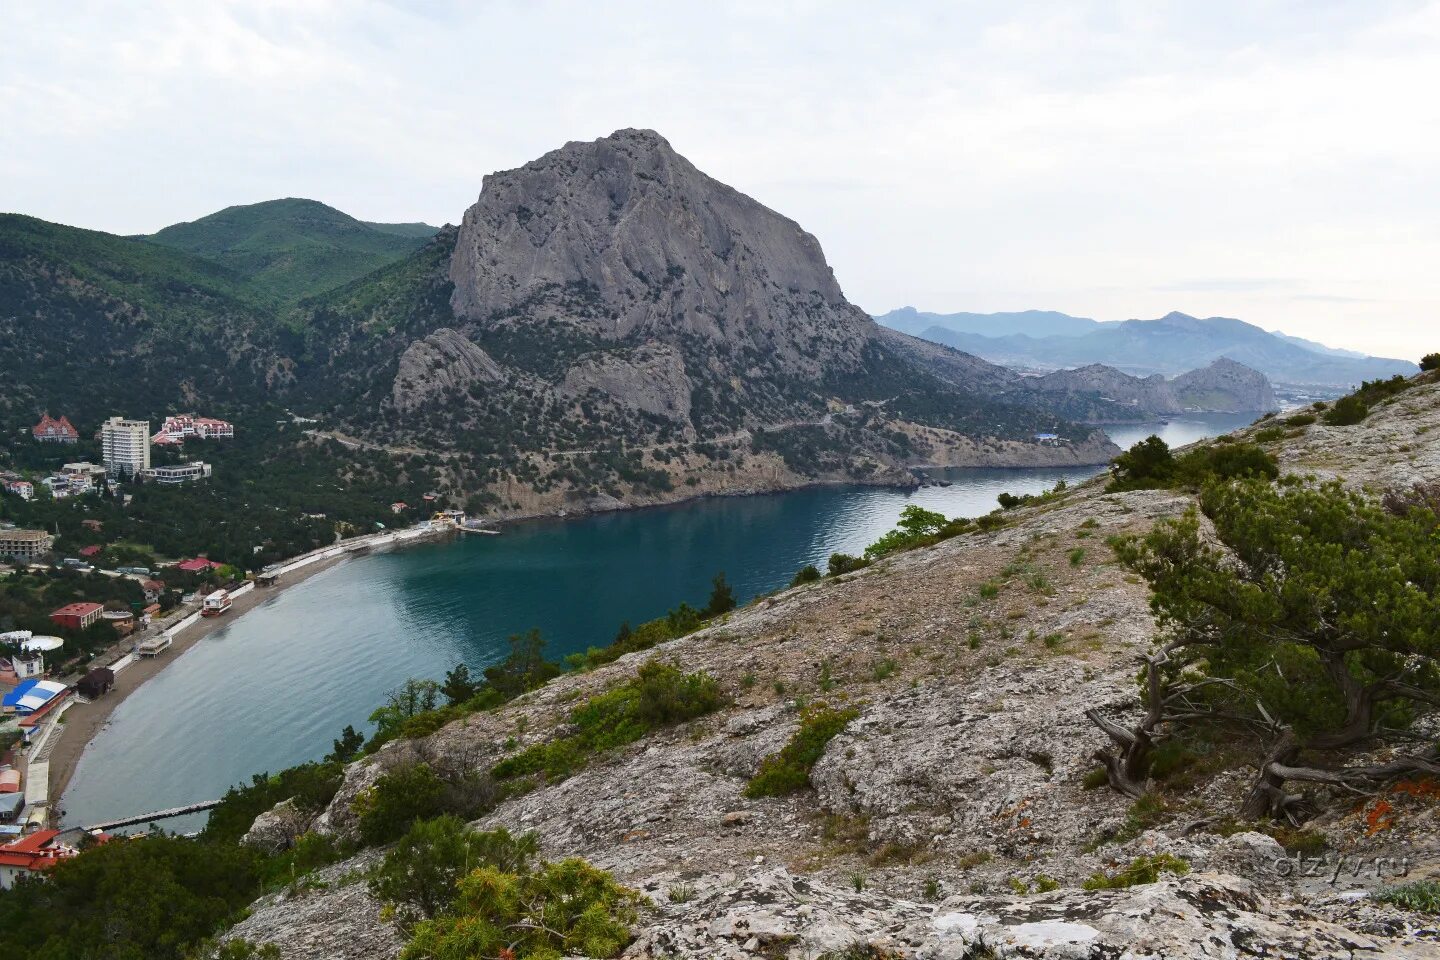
{"x": 294, "y": 248}
{"x": 93, "y": 324}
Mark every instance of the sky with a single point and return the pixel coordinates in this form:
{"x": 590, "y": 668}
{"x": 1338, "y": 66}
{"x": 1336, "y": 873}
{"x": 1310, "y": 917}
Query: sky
{"x": 1273, "y": 161}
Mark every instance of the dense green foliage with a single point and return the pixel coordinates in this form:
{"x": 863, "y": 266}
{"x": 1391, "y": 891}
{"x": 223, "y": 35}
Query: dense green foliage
{"x": 561, "y": 909}
{"x": 291, "y": 248}
{"x": 1431, "y": 361}
{"x": 788, "y": 771}
{"x": 916, "y": 527}
{"x": 806, "y": 574}
{"x": 1355, "y": 407}
{"x": 1317, "y": 623}
{"x": 659, "y": 696}
{"x": 419, "y": 874}
{"x": 418, "y": 791}
{"x": 148, "y": 899}
{"x": 310, "y": 785}
{"x": 1150, "y": 464}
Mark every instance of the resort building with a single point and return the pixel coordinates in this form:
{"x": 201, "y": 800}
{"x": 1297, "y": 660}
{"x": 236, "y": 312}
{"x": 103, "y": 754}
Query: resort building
{"x": 55, "y": 431}
{"x": 197, "y": 565}
{"x": 126, "y": 445}
{"x": 77, "y": 616}
{"x": 175, "y": 430}
{"x": 24, "y": 546}
{"x": 23, "y": 489}
{"x": 32, "y": 855}
{"x": 180, "y": 473}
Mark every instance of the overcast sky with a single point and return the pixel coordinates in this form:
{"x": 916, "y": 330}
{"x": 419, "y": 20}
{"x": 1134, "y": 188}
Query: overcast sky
{"x": 1273, "y": 161}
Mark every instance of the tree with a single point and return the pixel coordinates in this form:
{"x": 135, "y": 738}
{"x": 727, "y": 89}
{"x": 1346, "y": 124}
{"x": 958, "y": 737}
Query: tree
{"x": 524, "y": 669}
{"x": 806, "y": 574}
{"x": 1148, "y": 463}
{"x": 347, "y": 746}
{"x": 1347, "y": 411}
{"x": 458, "y": 686}
{"x": 407, "y": 700}
{"x": 420, "y": 874}
{"x": 722, "y": 598}
{"x": 1431, "y": 361}
{"x": 398, "y": 799}
{"x": 1317, "y": 624}
{"x": 915, "y": 527}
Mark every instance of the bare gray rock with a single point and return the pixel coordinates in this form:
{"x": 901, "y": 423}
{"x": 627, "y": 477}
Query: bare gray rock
{"x": 650, "y": 377}
{"x": 1148, "y": 396}
{"x": 278, "y": 828}
{"x": 443, "y": 361}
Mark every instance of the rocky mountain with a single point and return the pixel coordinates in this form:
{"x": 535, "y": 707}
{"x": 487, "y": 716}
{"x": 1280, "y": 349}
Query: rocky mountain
{"x": 293, "y": 248}
{"x": 1171, "y": 345}
{"x": 1097, "y": 393}
{"x": 1225, "y": 387}
{"x": 666, "y": 333}
{"x": 607, "y": 327}
{"x": 955, "y": 815}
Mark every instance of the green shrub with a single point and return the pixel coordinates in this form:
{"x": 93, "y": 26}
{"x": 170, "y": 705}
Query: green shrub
{"x": 1095, "y": 779}
{"x": 788, "y": 771}
{"x": 1150, "y": 464}
{"x": 310, "y": 785}
{"x": 310, "y": 852}
{"x": 1077, "y": 556}
{"x": 397, "y": 800}
{"x": 1431, "y": 361}
{"x": 806, "y": 574}
{"x": 1301, "y": 420}
{"x": 844, "y": 563}
{"x": 1347, "y": 411}
{"x": 1270, "y": 434}
{"x": 419, "y": 875}
{"x": 563, "y": 909}
{"x": 1422, "y": 896}
{"x": 1140, "y": 870}
{"x": 659, "y": 695}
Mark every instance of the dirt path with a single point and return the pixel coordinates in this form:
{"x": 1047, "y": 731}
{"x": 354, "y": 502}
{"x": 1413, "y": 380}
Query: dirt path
{"x": 84, "y": 720}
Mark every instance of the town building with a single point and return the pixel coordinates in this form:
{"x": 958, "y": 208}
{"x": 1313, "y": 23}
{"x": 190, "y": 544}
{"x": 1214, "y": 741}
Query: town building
{"x": 25, "y": 546}
{"x": 96, "y": 683}
{"x": 55, "y": 431}
{"x": 27, "y": 665}
{"x": 77, "y": 616}
{"x": 197, "y": 565}
{"x": 32, "y": 855}
{"x": 23, "y": 489}
{"x": 126, "y": 445}
{"x": 33, "y": 695}
{"x": 177, "y": 429}
{"x": 154, "y": 589}
{"x": 180, "y": 473}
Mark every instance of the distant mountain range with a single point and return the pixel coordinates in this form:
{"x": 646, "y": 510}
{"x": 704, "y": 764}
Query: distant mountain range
{"x": 291, "y": 249}
{"x": 1173, "y": 344}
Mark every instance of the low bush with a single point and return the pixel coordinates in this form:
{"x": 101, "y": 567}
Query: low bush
{"x": 310, "y": 785}
{"x": 1422, "y": 896}
{"x": 1150, "y": 464}
{"x": 419, "y": 792}
{"x": 418, "y": 876}
{"x": 659, "y": 696}
{"x": 1431, "y": 361}
{"x": 563, "y": 909}
{"x": 806, "y": 574}
{"x": 1301, "y": 420}
{"x": 844, "y": 563}
{"x": 1347, "y": 412}
{"x": 788, "y": 771}
{"x": 1140, "y": 870}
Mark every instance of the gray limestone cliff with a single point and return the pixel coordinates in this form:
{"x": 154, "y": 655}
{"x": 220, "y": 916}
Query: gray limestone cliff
{"x": 1225, "y": 386}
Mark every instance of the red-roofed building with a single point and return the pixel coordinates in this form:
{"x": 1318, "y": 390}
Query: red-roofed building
{"x": 91, "y": 551}
{"x": 197, "y": 565}
{"x": 31, "y": 855}
{"x": 77, "y": 616}
{"x": 49, "y": 430}
{"x": 175, "y": 429}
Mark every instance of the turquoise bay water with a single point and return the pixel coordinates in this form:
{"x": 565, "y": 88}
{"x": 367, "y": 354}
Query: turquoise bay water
{"x": 274, "y": 687}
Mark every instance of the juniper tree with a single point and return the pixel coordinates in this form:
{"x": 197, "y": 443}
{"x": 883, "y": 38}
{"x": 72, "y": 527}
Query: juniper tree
{"x": 1312, "y": 615}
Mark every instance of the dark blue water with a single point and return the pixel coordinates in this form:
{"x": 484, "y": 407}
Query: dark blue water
{"x": 274, "y": 687}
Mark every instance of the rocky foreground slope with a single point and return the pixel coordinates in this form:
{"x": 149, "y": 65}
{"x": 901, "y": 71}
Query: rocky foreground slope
{"x": 960, "y": 785}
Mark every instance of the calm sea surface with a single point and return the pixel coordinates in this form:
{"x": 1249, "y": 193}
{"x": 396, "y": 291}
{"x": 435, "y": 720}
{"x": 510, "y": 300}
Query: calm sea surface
{"x": 275, "y": 687}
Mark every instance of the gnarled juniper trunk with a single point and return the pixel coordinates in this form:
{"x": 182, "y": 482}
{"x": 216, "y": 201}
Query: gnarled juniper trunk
{"x": 1127, "y": 767}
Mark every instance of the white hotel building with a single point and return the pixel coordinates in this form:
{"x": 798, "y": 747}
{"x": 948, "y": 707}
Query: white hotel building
{"x": 126, "y": 444}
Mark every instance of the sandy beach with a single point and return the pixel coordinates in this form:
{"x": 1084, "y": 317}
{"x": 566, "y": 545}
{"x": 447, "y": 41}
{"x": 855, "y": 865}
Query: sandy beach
{"x": 83, "y": 721}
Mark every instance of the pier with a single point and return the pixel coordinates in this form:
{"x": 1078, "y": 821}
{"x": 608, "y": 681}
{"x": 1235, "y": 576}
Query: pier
{"x": 157, "y": 815}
